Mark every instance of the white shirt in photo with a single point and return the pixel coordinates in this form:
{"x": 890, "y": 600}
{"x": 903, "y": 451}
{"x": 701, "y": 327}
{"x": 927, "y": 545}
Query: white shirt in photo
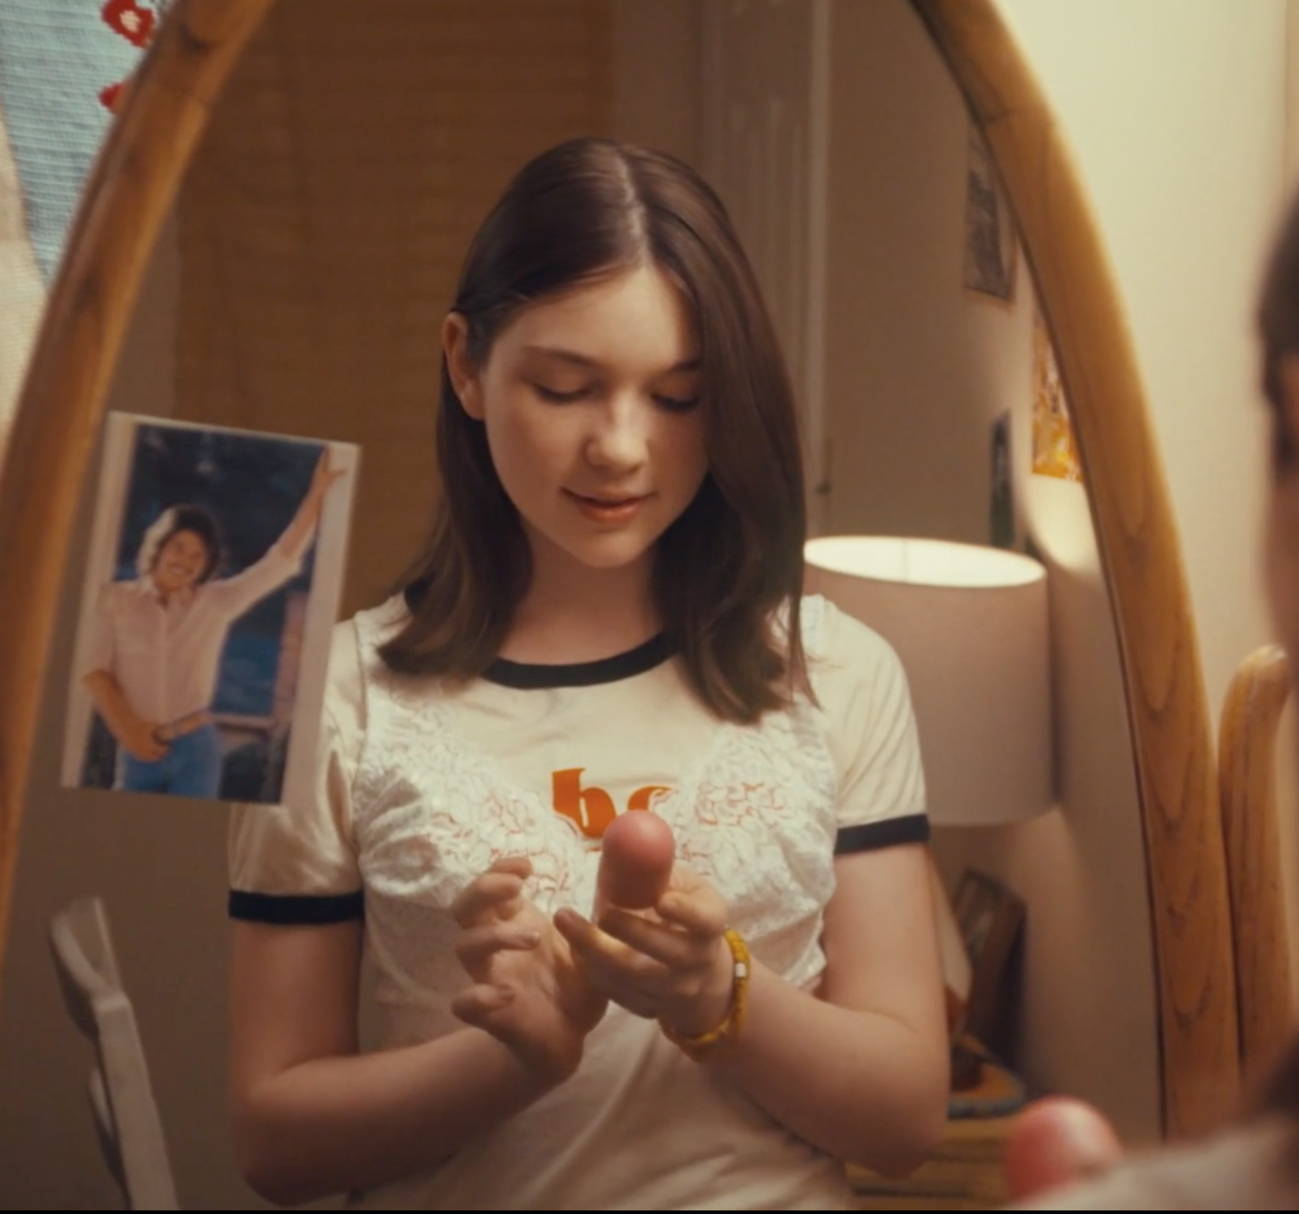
{"x": 166, "y": 656}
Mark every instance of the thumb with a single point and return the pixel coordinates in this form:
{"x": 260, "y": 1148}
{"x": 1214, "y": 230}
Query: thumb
{"x": 1054, "y": 1141}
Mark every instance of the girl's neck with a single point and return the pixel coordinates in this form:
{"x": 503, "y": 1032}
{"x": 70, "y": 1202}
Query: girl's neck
{"x": 574, "y": 613}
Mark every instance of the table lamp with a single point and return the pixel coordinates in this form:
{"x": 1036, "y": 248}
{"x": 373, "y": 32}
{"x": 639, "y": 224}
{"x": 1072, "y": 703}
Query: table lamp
{"x": 969, "y": 624}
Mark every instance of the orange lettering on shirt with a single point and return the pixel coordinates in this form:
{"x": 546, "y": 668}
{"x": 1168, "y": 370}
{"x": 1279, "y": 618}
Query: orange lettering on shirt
{"x": 591, "y": 808}
{"x": 643, "y": 798}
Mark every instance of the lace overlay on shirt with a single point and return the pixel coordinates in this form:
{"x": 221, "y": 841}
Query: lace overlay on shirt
{"x": 755, "y": 815}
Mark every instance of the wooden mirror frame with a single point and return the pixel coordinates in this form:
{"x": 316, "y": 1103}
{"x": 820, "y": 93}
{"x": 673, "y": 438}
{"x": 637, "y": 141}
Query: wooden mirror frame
{"x": 125, "y": 204}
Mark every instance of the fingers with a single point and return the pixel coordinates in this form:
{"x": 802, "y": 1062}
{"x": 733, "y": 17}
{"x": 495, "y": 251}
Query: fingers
{"x": 597, "y": 950}
{"x": 492, "y": 893}
{"x": 664, "y": 943}
{"x": 477, "y": 945}
{"x": 581, "y": 933}
{"x": 496, "y": 892}
{"x": 477, "y": 1004}
{"x": 696, "y": 907}
{"x": 630, "y": 978}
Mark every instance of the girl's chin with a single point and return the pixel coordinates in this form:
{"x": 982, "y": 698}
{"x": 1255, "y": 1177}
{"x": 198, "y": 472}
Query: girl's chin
{"x": 612, "y": 549}
{"x": 609, "y": 556}
{"x": 608, "y": 551}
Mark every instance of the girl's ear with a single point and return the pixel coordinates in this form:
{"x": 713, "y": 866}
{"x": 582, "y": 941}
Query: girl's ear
{"x": 464, "y": 375}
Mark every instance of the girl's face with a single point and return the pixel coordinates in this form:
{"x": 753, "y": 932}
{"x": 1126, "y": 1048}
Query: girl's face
{"x": 181, "y": 561}
{"x": 591, "y": 404}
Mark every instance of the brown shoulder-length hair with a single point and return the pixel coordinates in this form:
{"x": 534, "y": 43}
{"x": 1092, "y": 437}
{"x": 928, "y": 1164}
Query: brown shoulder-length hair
{"x": 584, "y": 210}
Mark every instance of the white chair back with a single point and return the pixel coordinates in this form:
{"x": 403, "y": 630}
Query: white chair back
{"x": 126, "y": 1115}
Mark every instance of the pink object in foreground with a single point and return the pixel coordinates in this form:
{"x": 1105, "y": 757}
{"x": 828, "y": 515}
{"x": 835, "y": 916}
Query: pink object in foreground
{"x": 1056, "y": 1140}
{"x": 635, "y": 861}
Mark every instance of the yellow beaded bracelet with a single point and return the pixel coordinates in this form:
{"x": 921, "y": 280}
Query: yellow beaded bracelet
{"x": 698, "y": 1047}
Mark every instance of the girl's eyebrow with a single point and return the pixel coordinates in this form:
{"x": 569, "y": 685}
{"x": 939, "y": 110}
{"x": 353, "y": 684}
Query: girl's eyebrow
{"x": 591, "y": 364}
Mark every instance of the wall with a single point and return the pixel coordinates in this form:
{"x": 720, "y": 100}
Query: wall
{"x": 655, "y": 75}
{"x": 1186, "y": 142}
{"x": 918, "y": 367}
{"x": 1179, "y": 143}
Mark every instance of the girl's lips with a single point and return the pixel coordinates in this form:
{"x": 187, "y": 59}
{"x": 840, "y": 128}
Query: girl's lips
{"x": 606, "y": 510}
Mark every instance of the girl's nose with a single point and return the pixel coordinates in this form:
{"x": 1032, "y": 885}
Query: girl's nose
{"x": 619, "y": 437}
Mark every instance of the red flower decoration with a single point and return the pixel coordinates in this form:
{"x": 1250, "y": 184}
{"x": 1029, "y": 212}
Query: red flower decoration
{"x": 109, "y": 96}
{"x": 134, "y": 23}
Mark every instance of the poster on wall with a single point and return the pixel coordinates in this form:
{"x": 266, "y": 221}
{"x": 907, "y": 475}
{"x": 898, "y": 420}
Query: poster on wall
{"x": 1055, "y": 450}
{"x": 990, "y": 236}
{"x": 209, "y": 593}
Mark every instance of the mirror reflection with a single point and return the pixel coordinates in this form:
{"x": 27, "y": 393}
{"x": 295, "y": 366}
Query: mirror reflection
{"x": 301, "y": 287}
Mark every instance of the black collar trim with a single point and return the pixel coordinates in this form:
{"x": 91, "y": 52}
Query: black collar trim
{"x": 528, "y": 676}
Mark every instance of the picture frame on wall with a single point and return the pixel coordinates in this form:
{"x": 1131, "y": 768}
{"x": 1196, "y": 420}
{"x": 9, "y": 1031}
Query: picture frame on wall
{"x": 208, "y": 598}
{"x": 1055, "y": 447}
{"x": 991, "y": 238}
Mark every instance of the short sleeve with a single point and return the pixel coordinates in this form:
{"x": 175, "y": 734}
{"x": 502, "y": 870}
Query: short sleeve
{"x": 299, "y": 865}
{"x": 872, "y": 735}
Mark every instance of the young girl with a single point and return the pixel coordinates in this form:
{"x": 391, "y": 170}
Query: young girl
{"x": 608, "y": 620}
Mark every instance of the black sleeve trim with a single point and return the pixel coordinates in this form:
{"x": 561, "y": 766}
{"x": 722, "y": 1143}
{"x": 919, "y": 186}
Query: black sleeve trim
{"x": 912, "y": 828}
{"x": 296, "y": 908}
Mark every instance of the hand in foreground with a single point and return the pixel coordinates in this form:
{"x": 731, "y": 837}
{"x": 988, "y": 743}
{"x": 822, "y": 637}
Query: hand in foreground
{"x": 1054, "y": 1141}
{"x": 527, "y": 991}
{"x": 670, "y": 963}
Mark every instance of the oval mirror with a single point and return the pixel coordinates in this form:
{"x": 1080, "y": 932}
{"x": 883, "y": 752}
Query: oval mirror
{"x": 269, "y": 239}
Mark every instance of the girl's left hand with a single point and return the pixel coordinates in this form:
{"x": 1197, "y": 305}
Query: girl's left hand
{"x": 670, "y": 963}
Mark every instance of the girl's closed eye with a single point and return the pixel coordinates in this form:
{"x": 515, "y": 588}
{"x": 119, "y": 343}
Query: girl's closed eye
{"x": 555, "y": 395}
{"x": 677, "y": 404}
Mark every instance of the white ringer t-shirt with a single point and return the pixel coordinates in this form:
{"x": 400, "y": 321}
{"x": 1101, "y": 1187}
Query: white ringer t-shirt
{"x": 422, "y": 787}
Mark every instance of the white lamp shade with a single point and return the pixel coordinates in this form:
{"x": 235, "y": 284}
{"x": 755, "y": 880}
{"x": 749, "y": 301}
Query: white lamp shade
{"x": 970, "y": 626}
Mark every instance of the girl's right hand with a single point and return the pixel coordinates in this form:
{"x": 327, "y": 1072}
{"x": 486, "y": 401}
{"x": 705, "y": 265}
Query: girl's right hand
{"x": 527, "y": 990}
